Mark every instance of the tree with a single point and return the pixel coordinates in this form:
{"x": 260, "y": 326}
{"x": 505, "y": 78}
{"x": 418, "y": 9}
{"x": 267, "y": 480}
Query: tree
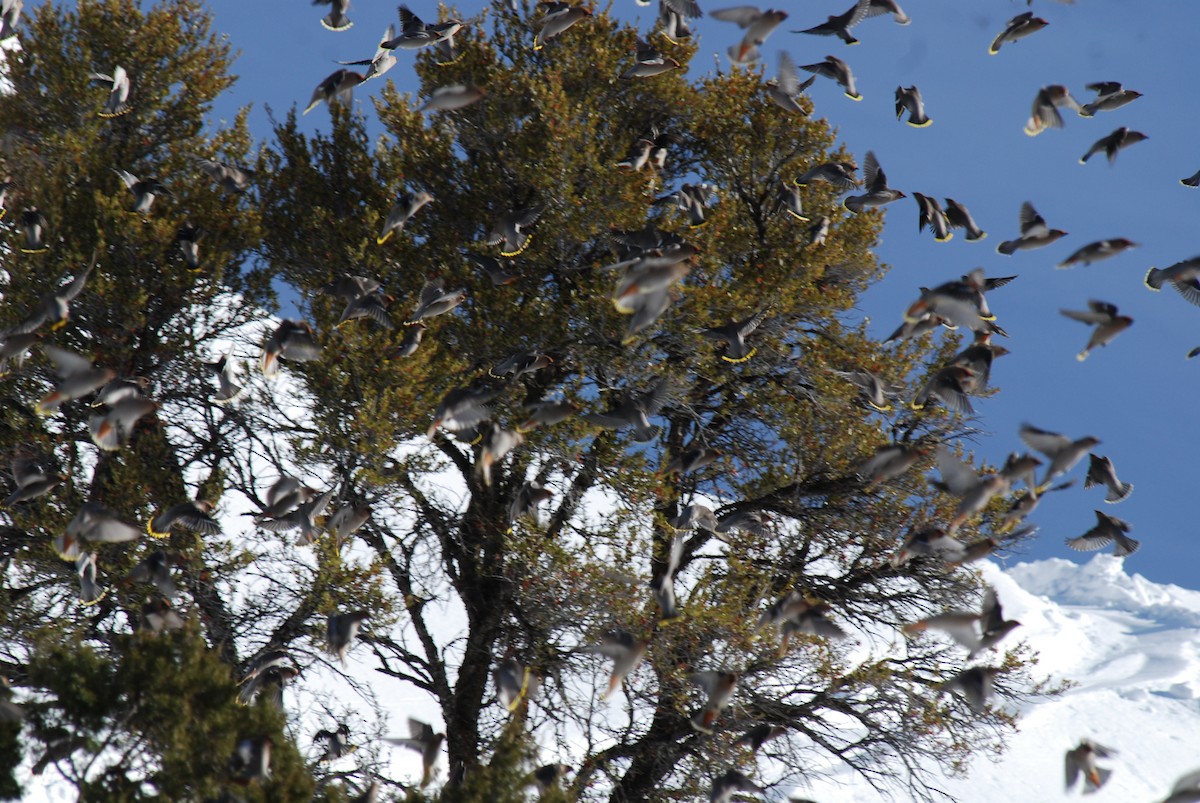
{"x": 608, "y": 291}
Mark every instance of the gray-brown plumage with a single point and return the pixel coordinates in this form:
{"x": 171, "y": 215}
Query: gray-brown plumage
{"x": 975, "y": 685}
{"x": 909, "y": 99}
{"x": 558, "y": 17}
{"x": 93, "y": 524}
{"x": 111, "y": 430}
{"x": 1110, "y": 95}
{"x": 784, "y": 91}
{"x": 292, "y": 340}
{"x": 1016, "y": 29}
{"x": 757, "y": 24}
{"x": 54, "y": 307}
{"x": 930, "y": 214}
{"x": 340, "y": 631}
{"x": 733, "y": 781}
{"x": 117, "y": 102}
{"x": 187, "y": 240}
{"x": 635, "y": 411}
{"x": 947, "y": 386}
{"x": 1104, "y": 317}
{"x": 77, "y": 378}
{"x": 1034, "y": 232}
{"x": 1102, "y": 472}
{"x": 878, "y": 192}
{"x": 510, "y": 231}
{"x": 1108, "y": 530}
{"x": 194, "y": 515}
{"x": 648, "y": 62}
{"x": 227, "y": 371}
{"x": 436, "y": 300}
{"x": 303, "y": 518}
{"x": 452, "y": 97}
{"x": 33, "y": 478}
{"x": 1045, "y": 112}
{"x": 1094, "y": 252}
{"x": 1063, "y": 452}
{"x": 407, "y": 204}
{"x": 230, "y": 178}
{"x": 33, "y": 227}
{"x": 839, "y": 25}
{"x": 733, "y": 335}
{"x": 876, "y": 392}
{"x": 336, "y": 19}
{"x": 839, "y": 174}
{"x": 838, "y": 70}
{"x": 425, "y": 741}
{"x": 1117, "y": 141}
{"x": 338, "y": 87}
{"x": 464, "y": 408}
{"x": 497, "y": 442}
{"x": 1081, "y": 760}
{"x": 960, "y": 218}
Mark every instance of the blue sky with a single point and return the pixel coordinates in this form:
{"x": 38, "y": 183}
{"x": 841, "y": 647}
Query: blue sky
{"x": 1133, "y": 394}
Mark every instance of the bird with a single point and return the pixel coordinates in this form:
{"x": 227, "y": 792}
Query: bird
{"x": 759, "y": 735}
{"x": 733, "y": 335}
{"x": 464, "y": 408}
{"x": 336, "y": 19}
{"x": 909, "y": 99}
{"x": 6, "y": 184}
{"x": 54, "y": 307}
{"x": 425, "y": 741}
{"x": 662, "y": 584}
{"x": 692, "y": 199}
{"x": 789, "y": 200}
{"x": 32, "y": 480}
{"x": 797, "y": 612}
{"x": 930, "y": 214}
{"x": 144, "y": 190}
{"x": 732, "y": 781}
{"x": 962, "y": 302}
{"x": 976, "y": 631}
{"x": 251, "y": 760}
{"x": 155, "y": 569}
{"x": 839, "y": 174}
{"x": 1104, "y": 317}
{"x": 454, "y": 96}
{"x": 693, "y": 516}
{"x": 1118, "y": 140}
{"x": 1063, "y": 452}
{"x": 1094, "y": 252}
{"x": 959, "y": 218}
{"x": 346, "y": 520}
{"x": 341, "y": 630}
{"x": 558, "y": 17}
{"x": 157, "y": 615}
{"x": 1110, "y": 95}
{"x": 974, "y": 490}
{"x": 337, "y": 87}
{"x": 187, "y": 240}
{"x": 526, "y": 500}
{"x": 1191, "y": 181}
{"x": 77, "y": 378}
{"x": 111, "y": 430}
{"x": 435, "y": 300}
{"x": 303, "y": 518}
{"x": 117, "y": 102}
{"x": 947, "y": 385}
{"x": 1016, "y": 29}
{"x": 626, "y": 651}
{"x": 838, "y": 70}
{"x": 228, "y": 373}
{"x": 784, "y": 91}
{"x": 292, "y": 340}
{"x": 1184, "y": 276}
{"x": 284, "y": 496}
{"x": 876, "y": 392}
{"x": 635, "y": 411}
{"x": 194, "y": 515}
{"x": 649, "y": 62}
{"x": 1108, "y": 530}
{"x": 879, "y": 7}
{"x": 839, "y": 25}
{"x": 513, "y": 680}
{"x": 979, "y": 357}
{"x": 547, "y": 776}
{"x": 1034, "y": 232}
{"x": 414, "y": 33}
{"x": 497, "y": 443}
{"x": 1102, "y": 472}
{"x": 336, "y": 743}
{"x": 890, "y": 461}
{"x": 33, "y": 227}
{"x": 719, "y": 688}
{"x": 932, "y": 542}
{"x": 10, "y": 17}
{"x": 878, "y": 192}
{"x": 975, "y": 685}
{"x": 546, "y": 413}
{"x": 1045, "y": 112}
{"x": 1081, "y": 760}
{"x": 93, "y": 523}
{"x": 230, "y": 178}
{"x": 383, "y": 60}
{"x": 520, "y": 364}
{"x": 756, "y": 23}
{"x": 510, "y": 231}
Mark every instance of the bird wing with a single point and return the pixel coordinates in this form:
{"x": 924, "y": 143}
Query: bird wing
{"x": 67, "y": 363}
{"x": 744, "y": 16}
{"x": 1087, "y": 317}
{"x": 789, "y": 78}
{"x": 1042, "y": 440}
{"x": 1031, "y": 222}
{"x": 957, "y": 476}
{"x": 873, "y": 177}
{"x": 73, "y": 289}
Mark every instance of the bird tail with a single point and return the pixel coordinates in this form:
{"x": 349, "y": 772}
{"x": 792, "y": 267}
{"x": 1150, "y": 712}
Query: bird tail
{"x": 1154, "y": 279}
{"x": 1119, "y": 494}
{"x": 1008, "y": 247}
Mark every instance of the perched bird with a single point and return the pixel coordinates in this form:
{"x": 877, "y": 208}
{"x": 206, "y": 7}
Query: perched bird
{"x": 425, "y": 741}
{"x": 838, "y": 70}
{"x": 1114, "y": 142}
{"x": 559, "y": 17}
{"x": 33, "y": 227}
{"x": 1184, "y": 276}
{"x": 1045, "y": 109}
{"x": 1104, "y": 317}
{"x": 878, "y": 192}
{"x": 337, "y": 87}
{"x": 839, "y": 25}
{"x": 510, "y": 231}
{"x": 732, "y": 781}
{"x": 975, "y": 685}
{"x": 959, "y": 218}
{"x": 1082, "y": 760}
{"x": 407, "y": 204}
{"x": 32, "y": 480}
{"x": 1063, "y": 452}
{"x": 383, "y": 60}
{"x": 909, "y": 99}
{"x": 144, "y": 190}
{"x": 839, "y": 174}
{"x": 930, "y": 214}
{"x": 54, "y": 307}
{"x": 635, "y": 411}
{"x": 435, "y": 300}
{"x": 292, "y": 340}
{"x": 1102, "y": 472}
{"x": 77, "y": 378}
{"x": 785, "y": 90}
{"x": 1109, "y": 95}
{"x": 1034, "y": 233}
{"x": 733, "y": 335}
{"x": 228, "y": 373}
{"x": 335, "y": 743}
{"x": 756, "y": 23}
{"x": 649, "y": 62}
{"x": 1017, "y": 28}
{"x": 117, "y": 102}
{"x": 1108, "y": 530}
{"x": 230, "y": 178}
{"x": 719, "y": 688}
{"x": 336, "y": 19}
{"x": 977, "y": 632}
{"x": 194, "y": 515}
{"x": 341, "y": 630}
{"x": 625, "y": 650}
{"x": 455, "y": 96}
{"x": 187, "y": 240}
{"x": 1094, "y": 252}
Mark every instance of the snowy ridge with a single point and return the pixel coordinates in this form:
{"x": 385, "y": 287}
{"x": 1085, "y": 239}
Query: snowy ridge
{"x": 1132, "y": 650}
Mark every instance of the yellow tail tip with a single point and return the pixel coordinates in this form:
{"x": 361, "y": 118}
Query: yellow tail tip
{"x": 736, "y": 360}
{"x": 383, "y": 239}
{"x": 925, "y": 124}
{"x": 855, "y": 98}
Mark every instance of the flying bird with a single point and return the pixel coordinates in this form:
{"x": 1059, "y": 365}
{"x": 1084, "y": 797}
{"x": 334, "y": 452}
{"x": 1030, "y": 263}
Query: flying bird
{"x": 1108, "y": 530}
{"x": 336, "y": 19}
{"x": 1104, "y": 317}
{"x": 1116, "y": 141}
{"x": 1045, "y": 112}
{"x": 1016, "y": 29}
{"x": 838, "y": 70}
{"x": 909, "y": 99}
{"x": 510, "y": 231}
{"x": 1102, "y": 472}
{"x": 1034, "y": 233}
{"x": 839, "y": 25}
{"x": 960, "y": 218}
{"x": 878, "y": 192}
{"x": 292, "y": 340}
{"x": 426, "y": 741}
{"x": 407, "y": 204}
{"x": 338, "y": 87}
{"x": 930, "y": 214}
{"x": 1094, "y": 252}
{"x": 1110, "y": 95}
{"x": 559, "y": 17}
{"x": 1081, "y": 760}
{"x": 625, "y": 650}
{"x": 785, "y": 90}
{"x": 117, "y": 102}
{"x": 757, "y": 24}
{"x": 383, "y": 60}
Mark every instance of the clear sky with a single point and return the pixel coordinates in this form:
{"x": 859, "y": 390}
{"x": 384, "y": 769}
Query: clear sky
{"x": 1132, "y": 395}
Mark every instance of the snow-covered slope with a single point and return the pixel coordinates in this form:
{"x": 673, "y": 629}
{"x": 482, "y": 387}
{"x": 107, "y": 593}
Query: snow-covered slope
{"x": 1132, "y": 649}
